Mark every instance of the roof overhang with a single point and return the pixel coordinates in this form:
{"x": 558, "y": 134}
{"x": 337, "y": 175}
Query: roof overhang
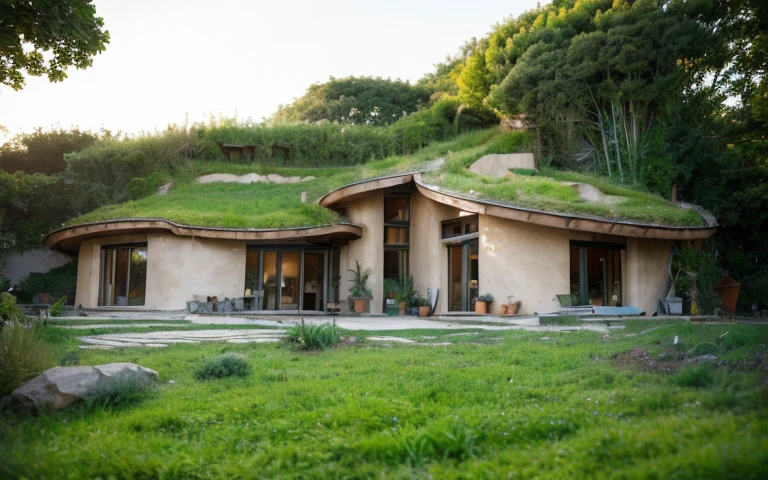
{"x": 581, "y": 223}
{"x": 349, "y": 192}
{"x": 67, "y": 240}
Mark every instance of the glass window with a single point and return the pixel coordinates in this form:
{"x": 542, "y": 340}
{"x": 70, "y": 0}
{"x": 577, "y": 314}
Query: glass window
{"x": 289, "y": 281}
{"x": 396, "y": 209}
{"x": 269, "y": 282}
{"x": 395, "y": 236}
{"x": 595, "y": 275}
{"x": 314, "y": 277}
{"x": 124, "y": 276}
{"x": 252, "y": 270}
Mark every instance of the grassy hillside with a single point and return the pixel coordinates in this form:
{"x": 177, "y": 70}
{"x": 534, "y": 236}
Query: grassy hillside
{"x": 231, "y": 205}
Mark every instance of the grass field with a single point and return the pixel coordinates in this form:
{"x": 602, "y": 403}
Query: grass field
{"x": 492, "y": 405}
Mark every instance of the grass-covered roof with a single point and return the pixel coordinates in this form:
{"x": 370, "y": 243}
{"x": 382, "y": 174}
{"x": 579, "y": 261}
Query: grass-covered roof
{"x": 260, "y": 206}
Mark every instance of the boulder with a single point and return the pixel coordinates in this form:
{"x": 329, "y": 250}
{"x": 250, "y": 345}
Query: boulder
{"x": 497, "y": 165}
{"x": 59, "y": 387}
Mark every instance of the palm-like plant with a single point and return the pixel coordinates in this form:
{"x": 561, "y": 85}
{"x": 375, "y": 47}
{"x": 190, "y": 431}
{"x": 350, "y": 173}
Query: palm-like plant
{"x": 360, "y": 282}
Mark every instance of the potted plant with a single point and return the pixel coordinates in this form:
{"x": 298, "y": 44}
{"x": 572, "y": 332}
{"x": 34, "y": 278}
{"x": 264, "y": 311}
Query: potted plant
{"x": 423, "y": 305}
{"x": 360, "y": 294}
{"x": 510, "y": 308}
{"x": 483, "y": 304}
{"x": 404, "y": 293}
{"x": 390, "y": 287}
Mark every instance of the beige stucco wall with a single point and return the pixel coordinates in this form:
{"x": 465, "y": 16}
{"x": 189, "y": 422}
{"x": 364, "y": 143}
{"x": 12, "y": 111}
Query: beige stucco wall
{"x": 646, "y": 273}
{"x": 528, "y": 261}
{"x": 367, "y": 211}
{"x": 178, "y": 268}
{"x": 89, "y": 263}
{"x": 428, "y": 256}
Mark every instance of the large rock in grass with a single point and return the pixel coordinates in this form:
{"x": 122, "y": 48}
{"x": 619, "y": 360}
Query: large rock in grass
{"x": 59, "y": 387}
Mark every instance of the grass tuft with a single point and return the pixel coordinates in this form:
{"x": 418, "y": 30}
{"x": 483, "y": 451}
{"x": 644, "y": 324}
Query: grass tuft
{"x": 314, "y": 337}
{"x": 23, "y": 355}
{"x": 224, "y": 366}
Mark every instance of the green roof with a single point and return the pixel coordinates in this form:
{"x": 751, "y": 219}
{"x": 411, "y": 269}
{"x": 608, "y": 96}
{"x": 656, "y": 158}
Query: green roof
{"x": 259, "y": 206}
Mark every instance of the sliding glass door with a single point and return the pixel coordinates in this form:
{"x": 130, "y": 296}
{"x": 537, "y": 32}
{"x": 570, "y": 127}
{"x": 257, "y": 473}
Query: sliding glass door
{"x": 462, "y": 276}
{"x": 596, "y": 274}
{"x": 291, "y": 279}
{"x": 124, "y": 276}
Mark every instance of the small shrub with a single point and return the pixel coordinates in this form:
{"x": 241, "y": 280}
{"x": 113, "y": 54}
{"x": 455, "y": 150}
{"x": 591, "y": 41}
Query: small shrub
{"x": 23, "y": 355}
{"x": 314, "y": 337}
{"x": 223, "y": 366}
{"x": 9, "y": 311}
{"x": 58, "y": 307}
{"x": 698, "y": 376}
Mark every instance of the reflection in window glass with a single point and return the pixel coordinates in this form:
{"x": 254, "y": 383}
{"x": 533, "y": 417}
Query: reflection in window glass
{"x": 269, "y": 281}
{"x": 289, "y": 284}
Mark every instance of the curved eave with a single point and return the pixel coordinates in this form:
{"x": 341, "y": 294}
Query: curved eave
{"x": 67, "y": 240}
{"x": 582, "y": 223}
{"x": 352, "y": 190}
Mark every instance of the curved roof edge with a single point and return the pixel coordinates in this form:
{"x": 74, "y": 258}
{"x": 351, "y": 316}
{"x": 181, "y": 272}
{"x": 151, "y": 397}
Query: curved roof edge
{"x": 68, "y": 239}
{"x": 363, "y": 186}
{"x": 579, "y": 222}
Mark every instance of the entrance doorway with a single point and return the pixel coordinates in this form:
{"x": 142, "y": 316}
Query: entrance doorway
{"x": 462, "y": 276}
{"x": 596, "y": 274}
{"x": 291, "y": 279}
{"x": 123, "y": 276}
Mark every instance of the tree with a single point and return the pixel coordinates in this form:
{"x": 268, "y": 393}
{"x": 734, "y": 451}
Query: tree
{"x": 42, "y": 151}
{"x": 45, "y": 37}
{"x": 358, "y": 100}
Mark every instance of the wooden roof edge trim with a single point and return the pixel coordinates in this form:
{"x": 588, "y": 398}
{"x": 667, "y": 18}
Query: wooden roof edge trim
{"x": 566, "y": 221}
{"x": 363, "y": 186}
{"x": 123, "y": 226}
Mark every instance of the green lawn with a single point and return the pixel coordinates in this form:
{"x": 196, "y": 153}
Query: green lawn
{"x": 531, "y": 405}
{"x": 232, "y": 205}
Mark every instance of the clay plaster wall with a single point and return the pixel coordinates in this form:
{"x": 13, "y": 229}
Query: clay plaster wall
{"x": 428, "y": 256}
{"x": 89, "y": 264}
{"x": 646, "y": 273}
{"x": 527, "y": 261}
{"x": 178, "y": 268}
{"x": 367, "y": 211}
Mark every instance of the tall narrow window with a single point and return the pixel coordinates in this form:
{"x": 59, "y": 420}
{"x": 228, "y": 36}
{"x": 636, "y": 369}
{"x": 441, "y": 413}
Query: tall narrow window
{"x": 397, "y": 222}
{"x": 124, "y": 276}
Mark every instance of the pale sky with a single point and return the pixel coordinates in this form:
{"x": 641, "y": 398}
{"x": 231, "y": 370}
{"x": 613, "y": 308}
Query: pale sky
{"x": 172, "y": 58}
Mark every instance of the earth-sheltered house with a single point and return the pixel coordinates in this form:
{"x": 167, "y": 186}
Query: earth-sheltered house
{"x": 463, "y": 243}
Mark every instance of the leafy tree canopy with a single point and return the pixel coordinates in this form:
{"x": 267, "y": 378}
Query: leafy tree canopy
{"x": 358, "y": 100}
{"x": 43, "y": 151}
{"x": 45, "y": 37}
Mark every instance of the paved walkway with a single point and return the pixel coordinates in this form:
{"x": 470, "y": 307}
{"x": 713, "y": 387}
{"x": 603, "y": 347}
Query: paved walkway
{"x": 275, "y": 329}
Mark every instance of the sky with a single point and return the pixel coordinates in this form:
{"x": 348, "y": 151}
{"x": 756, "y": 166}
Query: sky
{"x": 173, "y": 60}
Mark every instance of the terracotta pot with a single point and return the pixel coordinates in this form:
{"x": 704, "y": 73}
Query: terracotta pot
{"x": 402, "y": 308}
{"x": 510, "y": 308}
{"x": 361, "y": 305}
{"x": 481, "y": 308}
{"x": 504, "y": 308}
{"x": 424, "y": 311}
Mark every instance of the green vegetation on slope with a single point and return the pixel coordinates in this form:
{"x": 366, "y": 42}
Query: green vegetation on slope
{"x": 492, "y": 405}
{"x": 229, "y": 205}
{"x": 233, "y": 205}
